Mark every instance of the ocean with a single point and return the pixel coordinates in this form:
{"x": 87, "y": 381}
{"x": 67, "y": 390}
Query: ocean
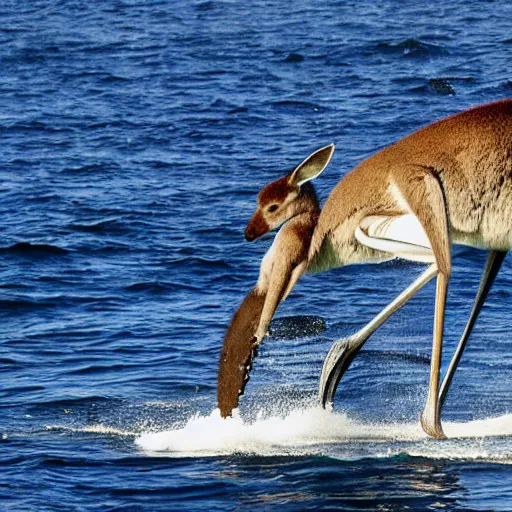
{"x": 135, "y": 136}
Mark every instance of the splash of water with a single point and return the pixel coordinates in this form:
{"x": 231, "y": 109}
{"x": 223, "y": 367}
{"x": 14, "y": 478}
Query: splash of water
{"x": 316, "y": 431}
{"x": 214, "y": 435}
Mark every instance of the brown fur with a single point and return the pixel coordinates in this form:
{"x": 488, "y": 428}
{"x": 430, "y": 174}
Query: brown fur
{"x": 276, "y": 192}
{"x": 237, "y": 352}
{"x": 256, "y": 227}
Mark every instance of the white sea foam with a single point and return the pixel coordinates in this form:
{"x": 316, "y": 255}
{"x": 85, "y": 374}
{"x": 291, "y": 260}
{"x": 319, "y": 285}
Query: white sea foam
{"x": 315, "y": 430}
{"x": 300, "y": 428}
{"x": 91, "y": 429}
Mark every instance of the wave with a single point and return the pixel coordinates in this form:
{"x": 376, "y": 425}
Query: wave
{"x": 314, "y": 431}
{"x": 29, "y": 249}
{"x": 294, "y": 57}
{"x": 441, "y": 86}
{"x": 33, "y": 126}
{"x": 9, "y": 306}
{"x": 157, "y": 287}
{"x": 413, "y": 48}
{"x": 92, "y": 429}
{"x": 110, "y": 225}
{"x": 93, "y": 168}
{"x": 296, "y": 106}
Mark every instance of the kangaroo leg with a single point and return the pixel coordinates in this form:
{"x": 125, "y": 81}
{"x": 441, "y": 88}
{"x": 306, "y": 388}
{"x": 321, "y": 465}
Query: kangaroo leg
{"x": 492, "y": 267}
{"x": 421, "y": 190}
{"x": 343, "y": 351}
{"x": 238, "y": 352}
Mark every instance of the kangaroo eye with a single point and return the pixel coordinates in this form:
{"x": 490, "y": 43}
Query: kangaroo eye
{"x": 272, "y": 208}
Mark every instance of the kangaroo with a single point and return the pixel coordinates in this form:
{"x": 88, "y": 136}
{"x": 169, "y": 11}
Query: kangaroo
{"x": 448, "y": 183}
{"x": 289, "y": 202}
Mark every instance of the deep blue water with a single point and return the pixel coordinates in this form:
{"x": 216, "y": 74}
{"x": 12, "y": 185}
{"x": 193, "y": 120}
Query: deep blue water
{"x": 134, "y": 139}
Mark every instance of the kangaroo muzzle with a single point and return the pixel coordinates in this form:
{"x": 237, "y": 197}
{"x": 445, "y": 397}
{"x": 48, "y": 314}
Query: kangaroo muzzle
{"x": 256, "y": 227}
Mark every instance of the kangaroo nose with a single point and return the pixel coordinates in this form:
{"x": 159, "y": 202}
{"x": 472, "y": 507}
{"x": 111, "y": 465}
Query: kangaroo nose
{"x": 256, "y": 227}
{"x": 249, "y": 233}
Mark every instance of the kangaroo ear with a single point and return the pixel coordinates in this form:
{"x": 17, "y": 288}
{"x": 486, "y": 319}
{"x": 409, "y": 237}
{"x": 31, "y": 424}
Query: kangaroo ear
{"x": 312, "y": 166}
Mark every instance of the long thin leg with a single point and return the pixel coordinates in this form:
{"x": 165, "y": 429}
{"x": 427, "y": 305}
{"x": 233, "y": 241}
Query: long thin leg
{"x": 343, "y": 351}
{"x": 430, "y": 418}
{"x": 491, "y": 269}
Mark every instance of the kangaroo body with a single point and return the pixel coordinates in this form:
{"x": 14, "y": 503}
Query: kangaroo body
{"x": 450, "y": 182}
{"x": 466, "y": 157}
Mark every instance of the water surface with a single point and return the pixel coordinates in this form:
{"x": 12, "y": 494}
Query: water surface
{"x": 135, "y": 137}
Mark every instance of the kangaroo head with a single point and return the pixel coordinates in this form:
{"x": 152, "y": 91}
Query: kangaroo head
{"x": 286, "y": 197}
